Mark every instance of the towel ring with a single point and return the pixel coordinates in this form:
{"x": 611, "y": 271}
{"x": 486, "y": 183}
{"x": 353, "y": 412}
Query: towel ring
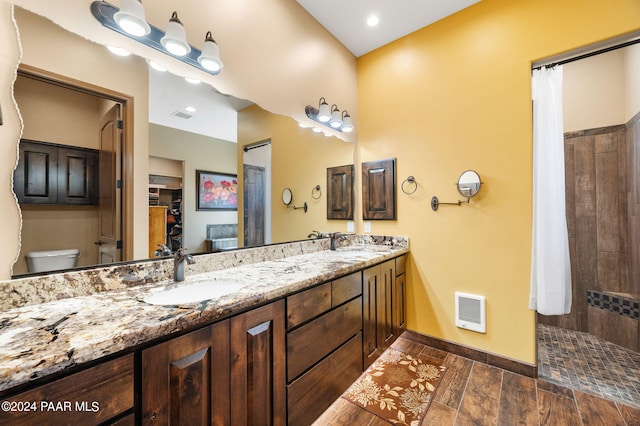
{"x": 316, "y": 193}
{"x": 410, "y": 181}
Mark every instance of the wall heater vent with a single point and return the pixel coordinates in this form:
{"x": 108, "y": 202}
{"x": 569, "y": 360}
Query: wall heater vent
{"x": 470, "y": 312}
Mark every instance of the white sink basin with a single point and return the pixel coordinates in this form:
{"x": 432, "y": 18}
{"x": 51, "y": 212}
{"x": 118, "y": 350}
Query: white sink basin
{"x": 192, "y": 293}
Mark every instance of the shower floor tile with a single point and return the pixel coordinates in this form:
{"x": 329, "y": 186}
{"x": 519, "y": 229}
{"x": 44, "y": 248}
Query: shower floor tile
{"x": 589, "y": 364}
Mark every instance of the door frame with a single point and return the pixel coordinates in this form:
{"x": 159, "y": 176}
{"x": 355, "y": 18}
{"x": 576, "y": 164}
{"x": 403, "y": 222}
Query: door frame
{"x": 126, "y": 101}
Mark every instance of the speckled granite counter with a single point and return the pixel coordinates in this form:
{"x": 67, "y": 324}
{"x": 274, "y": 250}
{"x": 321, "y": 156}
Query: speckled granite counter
{"x": 40, "y": 339}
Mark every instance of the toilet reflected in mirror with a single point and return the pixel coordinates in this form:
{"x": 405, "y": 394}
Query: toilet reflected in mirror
{"x": 51, "y": 260}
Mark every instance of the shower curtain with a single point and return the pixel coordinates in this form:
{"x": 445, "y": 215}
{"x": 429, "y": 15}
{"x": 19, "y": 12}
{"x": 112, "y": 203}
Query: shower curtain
{"x": 550, "y": 265}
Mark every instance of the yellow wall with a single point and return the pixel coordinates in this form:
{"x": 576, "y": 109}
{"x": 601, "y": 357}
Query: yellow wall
{"x": 299, "y": 161}
{"x": 453, "y": 96}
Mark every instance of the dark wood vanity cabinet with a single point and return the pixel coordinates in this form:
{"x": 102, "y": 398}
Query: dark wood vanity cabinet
{"x": 258, "y": 392}
{"x": 324, "y": 346}
{"x": 186, "y": 380}
{"x": 103, "y": 394}
{"x": 231, "y": 372}
{"x": 384, "y": 301}
{"x": 56, "y": 174}
{"x": 400, "y": 296}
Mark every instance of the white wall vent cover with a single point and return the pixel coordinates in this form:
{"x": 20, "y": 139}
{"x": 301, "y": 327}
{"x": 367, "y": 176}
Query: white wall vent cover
{"x": 470, "y": 312}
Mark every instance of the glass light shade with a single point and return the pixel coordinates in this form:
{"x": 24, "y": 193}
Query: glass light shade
{"x": 324, "y": 113}
{"x": 336, "y": 118}
{"x": 175, "y": 38}
{"x": 210, "y": 57}
{"x": 347, "y": 124}
{"x": 131, "y": 18}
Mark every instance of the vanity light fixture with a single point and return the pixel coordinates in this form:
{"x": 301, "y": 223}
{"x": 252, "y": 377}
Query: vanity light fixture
{"x": 173, "y": 42}
{"x": 347, "y": 124}
{"x": 330, "y": 117}
{"x": 175, "y": 39}
{"x": 131, "y": 18}
{"x": 210, "y": 57}
{"x": 324, "y": 113}
{"x": 336, "y": 117}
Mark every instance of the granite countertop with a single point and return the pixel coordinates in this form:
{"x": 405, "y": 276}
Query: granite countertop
{"x": 41, "y": 339}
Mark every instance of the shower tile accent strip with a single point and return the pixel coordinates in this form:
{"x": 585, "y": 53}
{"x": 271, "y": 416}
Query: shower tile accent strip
{"x": 619, "y": 304}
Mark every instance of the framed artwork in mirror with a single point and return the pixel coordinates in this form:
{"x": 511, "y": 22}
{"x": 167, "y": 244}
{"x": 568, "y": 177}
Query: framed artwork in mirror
{"x": 340, "y": 192}
{"x": 216, "y": 191}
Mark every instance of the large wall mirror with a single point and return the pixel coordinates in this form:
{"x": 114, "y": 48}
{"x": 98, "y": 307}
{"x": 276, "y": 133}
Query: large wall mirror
{"x": 171, "y": 129}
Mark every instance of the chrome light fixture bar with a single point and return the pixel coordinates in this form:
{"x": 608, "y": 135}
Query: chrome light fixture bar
{"x": 330, "y": 117}
{"x": 105, "y": 14}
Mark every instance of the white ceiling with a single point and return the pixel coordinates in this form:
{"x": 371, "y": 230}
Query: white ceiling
{"x": 215, "y": 114}
{"x": 347, "y": 20}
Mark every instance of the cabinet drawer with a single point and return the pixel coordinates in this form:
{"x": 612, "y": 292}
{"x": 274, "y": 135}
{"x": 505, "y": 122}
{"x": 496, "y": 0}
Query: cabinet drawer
{"x": 346, "y": 288}
{"x": 313, "y": 341}
{"x": 308, "y": 304}
{"x": 314, "y": 391}
{"x": 401, "y": 265}
{"x": 89, "y": 397}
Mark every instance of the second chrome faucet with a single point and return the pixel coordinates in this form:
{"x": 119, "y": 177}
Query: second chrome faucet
{"x": 179, "y": 260}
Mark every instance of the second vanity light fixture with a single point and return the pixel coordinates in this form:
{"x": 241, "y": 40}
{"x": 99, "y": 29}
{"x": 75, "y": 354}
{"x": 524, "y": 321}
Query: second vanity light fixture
{"x": 130, "y": 21}
{"x": 330, "y": 117}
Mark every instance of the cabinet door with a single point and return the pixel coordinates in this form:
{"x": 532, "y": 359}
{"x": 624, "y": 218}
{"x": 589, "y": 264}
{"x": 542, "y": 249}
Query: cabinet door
{"x": 372, "y": 300}
{"x": 186, "y": 380}
{"x": 399, "y": 306}
{"x": 35, "y": 177}
{"x": 258, "y": 393}
{"x": 77, "y": 176}
{"x": 386, "y": 323}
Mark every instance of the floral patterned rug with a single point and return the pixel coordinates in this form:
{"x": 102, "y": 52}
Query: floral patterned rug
{"x": 397, "y": 387}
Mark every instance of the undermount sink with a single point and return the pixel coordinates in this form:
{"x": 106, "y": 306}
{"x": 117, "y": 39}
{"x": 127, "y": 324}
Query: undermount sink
{"x": 193, "y": 293}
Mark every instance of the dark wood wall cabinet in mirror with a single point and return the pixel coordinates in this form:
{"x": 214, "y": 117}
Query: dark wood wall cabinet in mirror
{"x": 340, "y": 192}
{"x": 56, "y": 174}
{"x": 379, "y": 190}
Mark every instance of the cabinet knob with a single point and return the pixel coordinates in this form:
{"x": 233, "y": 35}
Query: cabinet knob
{"x": 99, "y": 242}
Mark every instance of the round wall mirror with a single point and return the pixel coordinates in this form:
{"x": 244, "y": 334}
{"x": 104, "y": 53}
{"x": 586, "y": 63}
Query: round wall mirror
{"x": 469, "y": 183}
{"x": 287, "y": 196}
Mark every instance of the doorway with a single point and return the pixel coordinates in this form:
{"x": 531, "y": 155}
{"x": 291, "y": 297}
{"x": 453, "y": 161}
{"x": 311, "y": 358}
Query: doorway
{"x": 595, "y": 348}
{"x": 257, "y": 193}
{"x": 50, "y": 104}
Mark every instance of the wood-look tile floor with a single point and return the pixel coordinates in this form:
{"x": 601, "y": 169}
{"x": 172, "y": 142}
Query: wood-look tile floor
{"x": 473, "y": 393}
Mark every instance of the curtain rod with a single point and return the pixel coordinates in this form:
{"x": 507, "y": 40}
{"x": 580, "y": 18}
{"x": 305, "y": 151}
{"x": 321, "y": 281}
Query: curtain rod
{"x": 256, "y": 145}
{"x": 588, "y": 55}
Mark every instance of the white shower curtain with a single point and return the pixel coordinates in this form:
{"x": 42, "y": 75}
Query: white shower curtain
{"x": 550, "y": 265}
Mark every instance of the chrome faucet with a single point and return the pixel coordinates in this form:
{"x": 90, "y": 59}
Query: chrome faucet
{"x": 335, "y": 237}
{"x": 178, "y": 264}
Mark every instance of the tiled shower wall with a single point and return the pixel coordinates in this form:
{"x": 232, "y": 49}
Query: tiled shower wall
{"x": 633, "y": 168}
{"x": 597, "y": 185}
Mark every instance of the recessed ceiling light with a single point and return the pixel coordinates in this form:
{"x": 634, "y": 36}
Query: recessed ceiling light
{"x": 156, "y": 66}
{"x": 190, "y": 109}
{"x": 118, "y": 51}
{"x": 373, "y": 20}
{"x": 192, "y": 80}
